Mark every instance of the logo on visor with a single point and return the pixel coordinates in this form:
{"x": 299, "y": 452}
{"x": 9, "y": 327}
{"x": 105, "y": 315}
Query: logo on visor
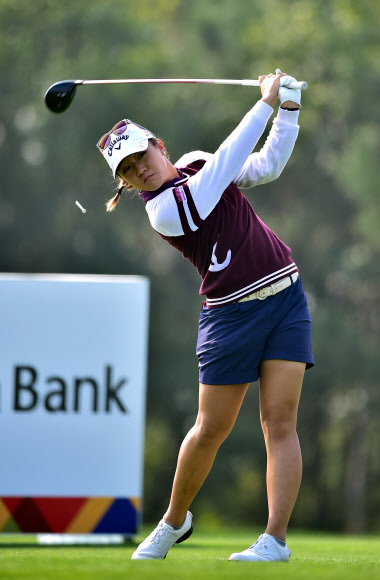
{"x": 117, "y": 140}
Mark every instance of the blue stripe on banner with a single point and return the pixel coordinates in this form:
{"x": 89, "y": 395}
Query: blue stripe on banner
{"x": 121, "y": 518}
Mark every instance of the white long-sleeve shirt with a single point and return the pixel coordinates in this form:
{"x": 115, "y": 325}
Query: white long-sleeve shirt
{"x": 204, "y": 215}
{"x": 232, "y": 162}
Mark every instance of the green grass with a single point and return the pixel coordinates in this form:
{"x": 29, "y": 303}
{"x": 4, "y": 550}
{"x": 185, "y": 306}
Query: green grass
{"x": 203, "y": 557}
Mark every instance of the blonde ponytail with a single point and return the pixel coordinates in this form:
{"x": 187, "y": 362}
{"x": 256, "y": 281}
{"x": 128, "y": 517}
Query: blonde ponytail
{"x": 112, "y": 203}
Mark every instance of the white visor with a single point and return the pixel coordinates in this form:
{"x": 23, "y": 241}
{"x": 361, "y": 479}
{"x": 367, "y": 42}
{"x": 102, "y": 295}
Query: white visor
{"x": 133, "y": 140}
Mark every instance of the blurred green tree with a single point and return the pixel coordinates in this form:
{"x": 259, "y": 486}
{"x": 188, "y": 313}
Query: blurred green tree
{"x": 324, "y": 206}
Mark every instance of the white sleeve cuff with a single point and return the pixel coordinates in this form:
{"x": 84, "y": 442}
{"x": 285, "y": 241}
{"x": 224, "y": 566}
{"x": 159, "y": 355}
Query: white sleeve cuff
{"x": 288, "y": 116}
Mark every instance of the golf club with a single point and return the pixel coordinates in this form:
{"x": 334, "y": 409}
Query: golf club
{"x": 59, "y": 96}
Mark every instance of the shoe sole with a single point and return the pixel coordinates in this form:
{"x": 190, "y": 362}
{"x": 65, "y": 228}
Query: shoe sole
{"x": 185, "y": 536}
{"x": 248, "y": 559}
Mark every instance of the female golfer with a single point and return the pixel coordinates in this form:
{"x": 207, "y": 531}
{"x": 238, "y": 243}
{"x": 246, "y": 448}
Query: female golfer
{"x": 254, "y": 323}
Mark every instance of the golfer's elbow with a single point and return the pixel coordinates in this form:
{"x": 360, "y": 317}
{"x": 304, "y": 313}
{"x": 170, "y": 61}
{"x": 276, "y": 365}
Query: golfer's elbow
{"x": 277, "y": 172}
{"x": 273, "y": 171}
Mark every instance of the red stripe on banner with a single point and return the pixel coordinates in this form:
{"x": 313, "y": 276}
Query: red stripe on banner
{"x": 59, "y": 511}
{"x": 12, "y": 502}
{"x": 29, "y": 519}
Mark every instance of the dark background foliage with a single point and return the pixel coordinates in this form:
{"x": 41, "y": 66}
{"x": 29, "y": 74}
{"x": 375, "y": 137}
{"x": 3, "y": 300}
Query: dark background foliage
{"x": 325, "y": 206}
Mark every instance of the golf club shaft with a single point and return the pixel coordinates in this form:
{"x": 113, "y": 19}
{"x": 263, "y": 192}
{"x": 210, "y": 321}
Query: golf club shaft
{"x": 244, "y": 82}
{"x": 59, "y": 96}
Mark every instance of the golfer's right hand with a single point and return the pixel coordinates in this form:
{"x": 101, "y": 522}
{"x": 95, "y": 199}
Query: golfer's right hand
{"x": 269, "y": 85}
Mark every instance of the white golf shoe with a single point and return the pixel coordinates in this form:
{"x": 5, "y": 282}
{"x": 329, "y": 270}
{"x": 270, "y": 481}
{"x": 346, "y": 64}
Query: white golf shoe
{"x": 159, "y": 542}
{"x": 265, "y": 549}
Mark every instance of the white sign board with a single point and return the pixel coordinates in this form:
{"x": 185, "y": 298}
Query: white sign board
{"x": 73, "y": 355}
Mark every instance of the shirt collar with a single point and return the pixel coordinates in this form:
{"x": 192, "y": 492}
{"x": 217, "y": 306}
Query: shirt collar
{"x": 148, "y": 195}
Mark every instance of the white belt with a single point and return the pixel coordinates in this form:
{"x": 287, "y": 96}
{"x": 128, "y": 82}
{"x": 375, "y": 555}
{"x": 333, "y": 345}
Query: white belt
{"x": 271, "y": 290}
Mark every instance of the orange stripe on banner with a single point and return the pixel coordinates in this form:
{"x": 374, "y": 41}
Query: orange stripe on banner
{"x": 136, "y": 502}
{"x": 89, "y": 515}
{"x": 4, "y": 515}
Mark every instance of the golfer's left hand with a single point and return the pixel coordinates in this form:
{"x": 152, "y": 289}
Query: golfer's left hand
{"x": 289, "y": 98}
{"x": 269, "y": 85}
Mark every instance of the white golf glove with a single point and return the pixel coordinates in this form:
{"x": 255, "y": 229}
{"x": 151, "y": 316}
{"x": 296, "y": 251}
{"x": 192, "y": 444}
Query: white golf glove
{"x": 285, "y": 94}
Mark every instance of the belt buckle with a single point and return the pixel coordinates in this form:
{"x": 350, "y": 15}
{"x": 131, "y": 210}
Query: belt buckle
{"x": 261, "y": 294}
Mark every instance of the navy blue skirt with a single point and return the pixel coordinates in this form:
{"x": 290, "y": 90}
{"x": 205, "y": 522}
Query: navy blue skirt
{"x": 233, "y": 340}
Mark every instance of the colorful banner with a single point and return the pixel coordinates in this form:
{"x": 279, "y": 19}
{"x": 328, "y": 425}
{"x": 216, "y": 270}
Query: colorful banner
{"x": 73, "y": 357}
{"x": 70, "y": 515}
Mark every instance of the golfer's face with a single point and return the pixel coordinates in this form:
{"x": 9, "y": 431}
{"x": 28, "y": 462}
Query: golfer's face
{"x": 145, "y": 170}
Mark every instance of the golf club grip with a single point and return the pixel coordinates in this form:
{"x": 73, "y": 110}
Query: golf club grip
{"x": 291, "y": 85}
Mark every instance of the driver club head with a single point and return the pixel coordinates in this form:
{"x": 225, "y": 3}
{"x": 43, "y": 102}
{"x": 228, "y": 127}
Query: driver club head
{"x": 59, "y": 96}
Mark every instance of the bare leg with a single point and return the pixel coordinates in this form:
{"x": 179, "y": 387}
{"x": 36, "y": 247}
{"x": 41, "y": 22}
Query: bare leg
{"x": 219, "y": 406}
{"x": 280, "y": 390}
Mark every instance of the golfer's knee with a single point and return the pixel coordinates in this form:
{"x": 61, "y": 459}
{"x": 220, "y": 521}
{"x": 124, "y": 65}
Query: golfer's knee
{"x": 279, "y": 424}
{"x": 209, "y": 433}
